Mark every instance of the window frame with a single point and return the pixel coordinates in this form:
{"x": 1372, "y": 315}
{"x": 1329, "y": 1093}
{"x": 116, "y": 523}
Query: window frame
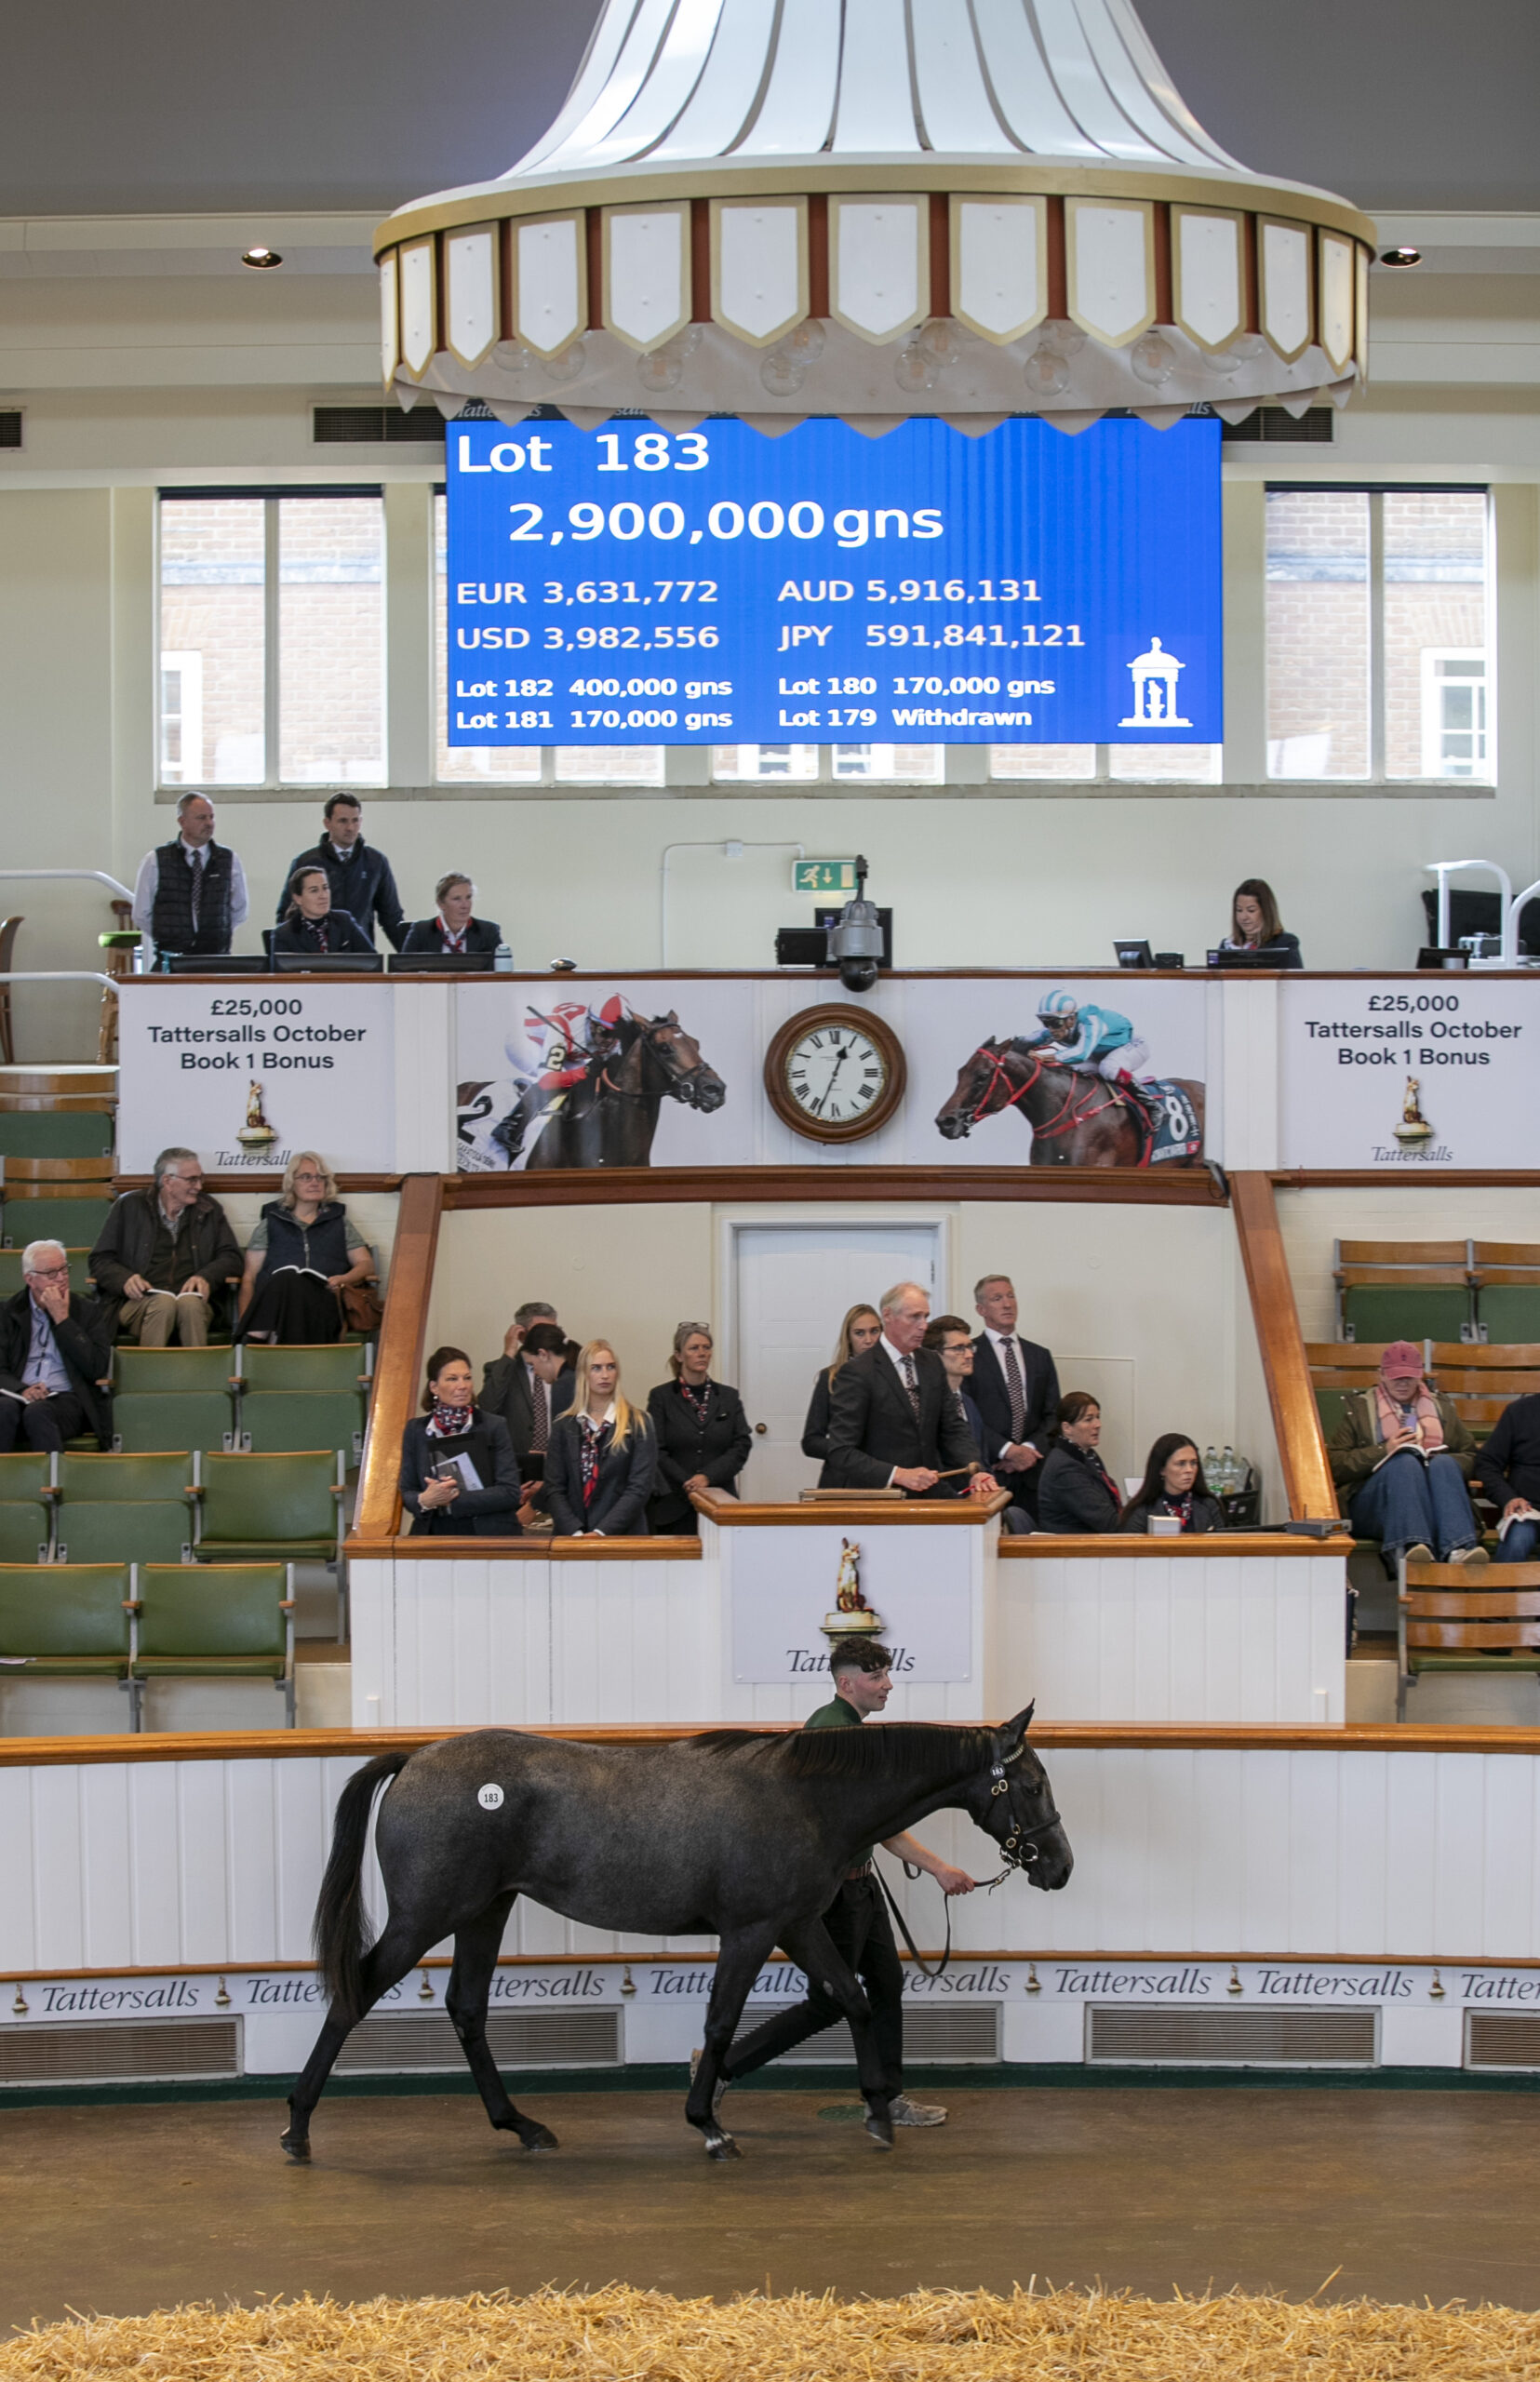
{"x": 269, "y": 782}
{"x": 1376, "y": 493}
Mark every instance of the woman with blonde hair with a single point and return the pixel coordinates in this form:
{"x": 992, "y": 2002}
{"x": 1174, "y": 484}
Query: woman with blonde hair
{"x": 704, "y": 1439}
{"x": 601, "y": 1464}
{"x": 861, "y": 1330}
{"x": 305, "y": 1253}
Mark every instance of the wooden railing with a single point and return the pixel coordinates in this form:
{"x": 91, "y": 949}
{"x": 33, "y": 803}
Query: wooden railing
{"x": 398, "y": 1358}
{"x": 1290, "y": 1394}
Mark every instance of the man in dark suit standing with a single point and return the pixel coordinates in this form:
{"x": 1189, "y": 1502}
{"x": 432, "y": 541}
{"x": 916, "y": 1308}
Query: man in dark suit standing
{"x": 893, "y": 1422}
{"x": 529, "y": 1390}
{"x": 1015, "y": 1388}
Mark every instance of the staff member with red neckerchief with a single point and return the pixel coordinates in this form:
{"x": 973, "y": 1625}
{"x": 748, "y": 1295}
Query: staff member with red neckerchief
{"x": 602, "y": 1459}
{"x": 704, "y": 1437}
{"x": 453, "y": 928}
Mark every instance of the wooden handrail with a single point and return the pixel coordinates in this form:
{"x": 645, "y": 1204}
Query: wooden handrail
{"x": 398, "y": 1358}
{"x": 1048, "y": 1737}
{"x": 1297, "y": 1418}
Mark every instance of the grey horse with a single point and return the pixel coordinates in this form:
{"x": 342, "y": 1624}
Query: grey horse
{"x": 740, "y": 1834}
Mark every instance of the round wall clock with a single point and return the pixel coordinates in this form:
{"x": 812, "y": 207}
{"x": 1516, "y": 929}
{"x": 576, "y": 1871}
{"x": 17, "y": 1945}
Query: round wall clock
{"x": 835, "y": 1074}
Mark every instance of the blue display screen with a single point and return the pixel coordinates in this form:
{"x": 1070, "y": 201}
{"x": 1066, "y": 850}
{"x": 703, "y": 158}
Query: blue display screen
{"x": 639, "y": 586}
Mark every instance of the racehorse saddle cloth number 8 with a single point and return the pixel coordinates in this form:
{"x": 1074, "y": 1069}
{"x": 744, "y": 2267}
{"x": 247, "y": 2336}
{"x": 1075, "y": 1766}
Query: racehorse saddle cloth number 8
{"x": 1178, "y": 1133}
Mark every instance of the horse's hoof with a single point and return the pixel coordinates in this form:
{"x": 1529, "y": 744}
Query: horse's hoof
{"x": 881, "y": 2131}
{"x": 723, "y": 2147}
{"x": 297, "y": 2147}
{"x": 538, "y": 2137}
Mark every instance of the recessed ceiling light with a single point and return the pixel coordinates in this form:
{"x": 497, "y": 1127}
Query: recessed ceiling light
{"x": 1401, "y": 256}
{"x": 260, "y": 259}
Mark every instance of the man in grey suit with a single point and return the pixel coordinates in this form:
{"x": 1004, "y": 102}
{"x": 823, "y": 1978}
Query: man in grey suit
{"x": 892, "y": 1420}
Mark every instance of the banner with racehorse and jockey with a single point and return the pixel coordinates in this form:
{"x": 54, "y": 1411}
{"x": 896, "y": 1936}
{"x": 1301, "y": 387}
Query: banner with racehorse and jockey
{"x": 584, "y": 1071}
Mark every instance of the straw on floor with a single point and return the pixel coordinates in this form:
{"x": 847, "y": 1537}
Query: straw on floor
{"x": 928, "y": 2337}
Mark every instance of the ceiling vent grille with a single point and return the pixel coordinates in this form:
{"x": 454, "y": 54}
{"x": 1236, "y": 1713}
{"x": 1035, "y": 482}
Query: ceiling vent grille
{"x": 422, "y": 2041}
{"x": 122, "y": 2052}
{"x": 377, "y": 426}
{"x": 961, "y": 2033}
{"x": 11, "y": 426}
{"x": 1275, "y": 426}
{"x": 1501, "y": 2039}
{"x": 1231, "y": 2038}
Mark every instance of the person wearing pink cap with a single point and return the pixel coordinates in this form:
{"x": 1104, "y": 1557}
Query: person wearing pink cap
{"x": 1402, "y": 1456}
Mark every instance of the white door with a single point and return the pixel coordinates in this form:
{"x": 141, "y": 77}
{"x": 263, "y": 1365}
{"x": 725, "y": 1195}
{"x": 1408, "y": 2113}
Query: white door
{"x": 793, "y": 1285}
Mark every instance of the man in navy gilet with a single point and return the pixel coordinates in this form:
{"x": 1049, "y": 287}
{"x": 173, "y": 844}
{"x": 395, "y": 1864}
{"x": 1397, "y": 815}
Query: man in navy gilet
{"x": 190, "y": 895}
{"x": 360, "y": 877}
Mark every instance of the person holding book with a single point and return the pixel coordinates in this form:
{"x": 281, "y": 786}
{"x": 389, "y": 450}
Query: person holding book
{"x": 305, "y": 1252}
{"x": 1508, "y": 1471}
{"x": 55, "y": 1354}
{"x": 459, "y": 1472}
{"x": 1402, "y": 1457}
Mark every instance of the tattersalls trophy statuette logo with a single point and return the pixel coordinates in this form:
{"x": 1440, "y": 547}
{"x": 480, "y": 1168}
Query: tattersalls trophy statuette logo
{"x": 256, "y": 1133}
{"x": 853, "y": 1616}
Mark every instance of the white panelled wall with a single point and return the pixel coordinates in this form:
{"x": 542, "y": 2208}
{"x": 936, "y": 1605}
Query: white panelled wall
{"x": 1318, "y": 1872}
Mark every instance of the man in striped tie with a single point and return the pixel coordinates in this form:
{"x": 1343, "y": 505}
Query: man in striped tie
{"x": 893, "y": 1423}
{"x": 1016, "y": 1387}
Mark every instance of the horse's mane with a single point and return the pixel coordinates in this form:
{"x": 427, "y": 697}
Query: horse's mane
{"x": 897, "y": 1749}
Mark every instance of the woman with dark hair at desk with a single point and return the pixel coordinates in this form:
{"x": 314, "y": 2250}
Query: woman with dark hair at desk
{"x": 459, "y": 1472}
{"x": 1075, "y": 1492}
{"x": 311, "y": 925}
{"x": 1172, "y": 1487}
{"x": 452, "y": 929}
{"x": 1256, "y": 930}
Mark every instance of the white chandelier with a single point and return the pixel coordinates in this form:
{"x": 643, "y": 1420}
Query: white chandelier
{"x": 874, "y": 210}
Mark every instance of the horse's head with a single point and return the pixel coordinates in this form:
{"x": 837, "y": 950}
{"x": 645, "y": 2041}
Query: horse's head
{"x": 686, "y": 1075}
{"x": 1014, "y": 1804}
{"x": 985, "y": 1084}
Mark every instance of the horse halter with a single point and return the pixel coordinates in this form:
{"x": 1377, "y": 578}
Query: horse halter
{"x": 1020, "y": 1848}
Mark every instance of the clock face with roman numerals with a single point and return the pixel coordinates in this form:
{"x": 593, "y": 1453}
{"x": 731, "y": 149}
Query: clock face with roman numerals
{"x": 835, "y": 1072}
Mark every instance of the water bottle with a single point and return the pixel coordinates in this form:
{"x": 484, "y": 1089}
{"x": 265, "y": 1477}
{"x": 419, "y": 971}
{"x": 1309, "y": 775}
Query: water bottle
{"x": 1211, "y": 1470}
{"x": 1226, "y": 1470}
{"x": 503, "y": 960}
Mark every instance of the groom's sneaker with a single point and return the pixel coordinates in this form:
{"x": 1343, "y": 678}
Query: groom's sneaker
{"x": 906, "y": 2112}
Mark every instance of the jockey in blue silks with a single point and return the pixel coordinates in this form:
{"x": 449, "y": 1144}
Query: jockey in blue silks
{"x": 1096, "y": 1041}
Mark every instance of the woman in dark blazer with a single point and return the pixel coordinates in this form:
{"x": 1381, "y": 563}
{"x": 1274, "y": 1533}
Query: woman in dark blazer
{"x": 1256, "y": 928}
{"x": 703, "y": 1433}
{"x": 453, "y": 927}
{"x": 1173, "y": 1485}
{"x": 601, "y": 1464}
{"x": 1075, "y": 1492}
{"x": 311, "y": 925}
{"x": 451, "y": 1434}
{"x": 861, "y": 1330}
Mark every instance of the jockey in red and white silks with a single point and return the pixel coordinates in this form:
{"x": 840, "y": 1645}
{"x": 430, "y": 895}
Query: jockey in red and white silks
{"x": 549, "y": 1053}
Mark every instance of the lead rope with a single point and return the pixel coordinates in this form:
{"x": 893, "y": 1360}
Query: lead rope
{"x": 915, "y": 1953}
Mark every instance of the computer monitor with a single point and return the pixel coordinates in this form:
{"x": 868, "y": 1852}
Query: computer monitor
{"x": 1134, "y": 955}
{"x": 223, "y": 963}
{"x": 441, "y": 963}
{"x": 328, "y": 963}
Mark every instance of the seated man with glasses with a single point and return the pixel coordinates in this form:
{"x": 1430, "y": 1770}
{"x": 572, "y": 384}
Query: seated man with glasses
{"x": 164, "y": 1257}
{"x": 55, "y": 1353}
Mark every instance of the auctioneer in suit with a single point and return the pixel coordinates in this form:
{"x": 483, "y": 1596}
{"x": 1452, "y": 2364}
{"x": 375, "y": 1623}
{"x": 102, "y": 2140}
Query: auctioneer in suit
{"x": 874, "y": 1428}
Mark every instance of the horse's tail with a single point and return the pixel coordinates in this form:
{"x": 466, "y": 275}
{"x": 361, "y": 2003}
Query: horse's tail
{"x": 339, "y": 1930}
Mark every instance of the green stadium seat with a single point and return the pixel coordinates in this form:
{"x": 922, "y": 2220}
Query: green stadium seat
{"x": 332, "y": 1365}
{"x": 195, "y": 1418}
{"x": 25, "y": 1475}
{"x": 56, "y": 1133}
{"x": 1419, "y": 1311}
{"x": 214, "y": 1621}
{"x": 64, "y": 1621}
{"x": 24, "y": 1533}
{"x": 125, "y": 1508}
{"x": 1510, "y": 1311}
{"x": 272, "y": 1507}
{"x": 283, "y": 1420}
{"x": 158, "y": 1371}
{"x": 77, "y": 1222}
{"x": 11, "y": 1272}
